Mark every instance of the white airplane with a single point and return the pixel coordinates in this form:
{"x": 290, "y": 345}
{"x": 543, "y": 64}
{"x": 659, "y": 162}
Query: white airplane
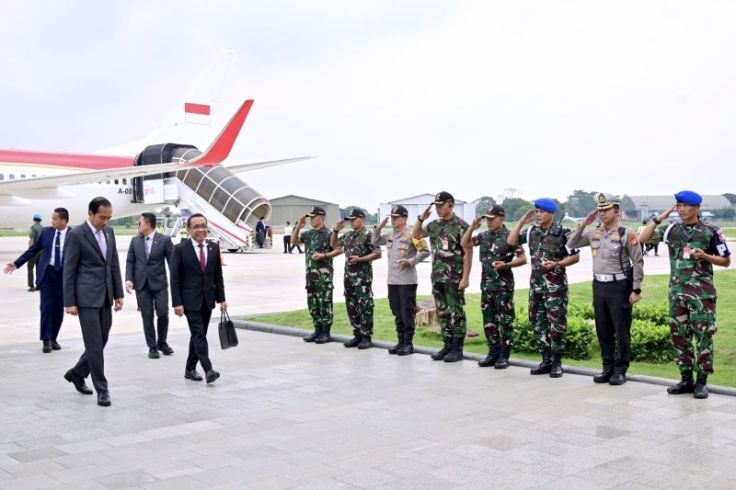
{"x": 162, "y": 175}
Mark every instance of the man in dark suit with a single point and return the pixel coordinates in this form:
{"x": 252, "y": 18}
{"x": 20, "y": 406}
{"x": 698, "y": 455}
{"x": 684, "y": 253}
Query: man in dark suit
{"x": 50, "y": 245}
{"x": 92, "y": 285}
{"x": 145, "y": 272}
{"x": 196, "y": 284}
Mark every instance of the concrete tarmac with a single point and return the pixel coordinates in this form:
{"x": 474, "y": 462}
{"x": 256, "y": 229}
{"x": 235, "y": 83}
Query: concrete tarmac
{"x": 286, "y": 414}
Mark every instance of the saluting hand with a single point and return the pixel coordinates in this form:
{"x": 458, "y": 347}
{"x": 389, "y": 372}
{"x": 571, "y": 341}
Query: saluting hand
{"x": 590, "y": 218}
{"x": 665, "y": 214}
{"x": 425, "y": 214}
{"x": 476, "y": 222}
{"x": 302, "y": 221}
{"x": 383, "y": 223}
{"x": 528, "y": 217}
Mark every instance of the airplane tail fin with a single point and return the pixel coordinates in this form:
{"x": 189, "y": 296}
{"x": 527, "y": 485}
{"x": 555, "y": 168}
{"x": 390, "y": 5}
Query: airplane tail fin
{"x": 221, "y": 146}
{"x": 196, "y": 117}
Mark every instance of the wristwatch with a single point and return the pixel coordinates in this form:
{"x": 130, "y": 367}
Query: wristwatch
{"x": 657, "y": 221}
{"x": 420, "y": 219}
{"x": 637, "y": 290}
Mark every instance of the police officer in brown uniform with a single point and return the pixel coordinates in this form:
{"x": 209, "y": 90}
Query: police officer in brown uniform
{"x": 618, "y": 270}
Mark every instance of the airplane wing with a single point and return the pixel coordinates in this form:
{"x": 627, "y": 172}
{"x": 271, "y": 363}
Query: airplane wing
{"x": 244, "y": 167}
{"x": 39, "y": 187}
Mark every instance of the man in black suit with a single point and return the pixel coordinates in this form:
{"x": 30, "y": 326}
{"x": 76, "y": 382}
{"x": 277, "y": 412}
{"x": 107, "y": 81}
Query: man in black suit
{"x": 50, "y": 244}
{"x": 196, "y": 284}
{"x": 145, "y": 272}
{"x": 92, "y": 284}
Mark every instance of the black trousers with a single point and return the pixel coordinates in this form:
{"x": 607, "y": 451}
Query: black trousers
{"x": 403, "y": 302}
{"x": 52, "y": 304}
{"x": 613, "y": 322}
{"x": 287, "y": 244}
{"x": 96, "y": 323}
{"x": 198, "y": 322}
{"x": 148, "y": 302}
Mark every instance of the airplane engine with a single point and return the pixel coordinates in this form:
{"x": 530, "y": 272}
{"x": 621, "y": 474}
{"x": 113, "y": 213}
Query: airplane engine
{"x": 216, "y": 185}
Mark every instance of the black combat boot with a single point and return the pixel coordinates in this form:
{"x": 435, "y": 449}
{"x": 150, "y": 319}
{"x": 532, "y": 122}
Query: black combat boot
{"x": 545, "y": 366}
{"x": 354, "y": 341}
{"x": 407, "y": 347}
{"x": 313, "y": 336}
{"x": 503, "y": 357}
{"x": 619, "y": 377}
{"x": 556, "y": 369}
{"x": 456, "y": 350}
{"x": 365, "y": 342}
{"x": 700, "y": 390}
{"x": 491, "y": 358}
{"x": 686, "y": 385}
{"x": 395, "y": 349}
{"x": 324, "y": 336}
{"x": 604, "y": 376}
{"x": 439, "y": 355}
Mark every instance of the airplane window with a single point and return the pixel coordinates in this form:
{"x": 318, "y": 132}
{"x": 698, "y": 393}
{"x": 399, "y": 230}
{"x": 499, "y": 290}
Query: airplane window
{"x": 125, "y": 181}
{"x": 22, "y": 176}
{"x": 34, "y": 176}
{"x": 2, "y": 176}
{"x": 12, "y": 176}
{"x": 116, "y": 181}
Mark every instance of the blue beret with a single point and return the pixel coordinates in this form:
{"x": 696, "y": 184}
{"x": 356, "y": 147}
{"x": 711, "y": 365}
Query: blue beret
{"x": 689, "y": 197}
{"x": 546, "y": 204}
{"x": 37, "y": 216}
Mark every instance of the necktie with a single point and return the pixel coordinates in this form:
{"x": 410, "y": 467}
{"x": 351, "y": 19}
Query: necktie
{"x": 202, "y": 263}
{"x": 102, "y": 243}
{"x": 57, "y": 251}
{"x": 148, "y": 246}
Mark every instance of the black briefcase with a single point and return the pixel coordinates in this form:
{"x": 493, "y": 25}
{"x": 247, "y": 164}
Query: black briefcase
{"x": 226, "y": 330}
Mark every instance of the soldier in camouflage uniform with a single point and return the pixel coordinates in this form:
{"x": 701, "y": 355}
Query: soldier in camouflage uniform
{"x": 319, "y": 272}
{"x": 694, "y": 247}
{"x": 550, "y": 255}
{"x": 448, "y": 280}
{"x": 359, "y": 253}
{"x": 497, "y": 283}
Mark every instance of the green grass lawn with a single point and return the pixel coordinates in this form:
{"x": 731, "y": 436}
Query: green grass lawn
{"x": 654, "y": 290}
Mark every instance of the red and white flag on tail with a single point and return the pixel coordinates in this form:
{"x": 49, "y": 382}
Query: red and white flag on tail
{"x": 196, "y": 113}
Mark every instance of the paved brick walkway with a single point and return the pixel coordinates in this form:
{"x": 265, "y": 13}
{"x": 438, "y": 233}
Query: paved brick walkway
{"x": 286, "y": 414}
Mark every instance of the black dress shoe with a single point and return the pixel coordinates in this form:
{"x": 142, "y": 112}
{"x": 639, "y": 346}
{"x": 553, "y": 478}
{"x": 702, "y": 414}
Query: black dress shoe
{"x": 193, "y": 375}
{"x": 46, "y": 346}
{"x": 78, "y": 382}
{"x": 604, "y": 376}
{"x": 103, "y": 399}
{"x": 617, "y": 379}
{"x": 165, "y": 348}
{"x": 212, "y": 375}
{"x": 153, "y": 353}
{"x": 55, "y": 345}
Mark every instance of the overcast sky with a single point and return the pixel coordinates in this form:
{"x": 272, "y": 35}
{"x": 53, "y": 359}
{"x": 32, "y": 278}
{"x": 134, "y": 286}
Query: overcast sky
{"x": 398, "y": 98}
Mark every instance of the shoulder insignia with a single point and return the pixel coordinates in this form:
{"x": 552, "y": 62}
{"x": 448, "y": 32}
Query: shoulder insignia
{"x": 632, "y": 237}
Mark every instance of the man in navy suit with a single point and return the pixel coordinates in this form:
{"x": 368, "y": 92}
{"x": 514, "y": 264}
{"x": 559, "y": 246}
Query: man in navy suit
{"x": 92, "y": 285}
{"x": 196, "y": 284}
{"x": 145, "y": 272}
{"x": 49, "y": 275}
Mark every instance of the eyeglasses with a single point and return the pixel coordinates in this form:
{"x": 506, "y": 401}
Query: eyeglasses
{"x": 199, "y": 227}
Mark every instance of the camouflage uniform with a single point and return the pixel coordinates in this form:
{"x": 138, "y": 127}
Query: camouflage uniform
{"x": 319, "y": 276}
{"x": 497, "y": 287}
{"x": 692, "y": 295}
{"x": 447, "y": 271}
{"x": 548, "y": 288}
{"x": 359, "y": 280}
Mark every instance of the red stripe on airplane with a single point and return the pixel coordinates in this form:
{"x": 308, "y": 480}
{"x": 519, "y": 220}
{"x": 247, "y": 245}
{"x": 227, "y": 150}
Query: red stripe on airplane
{"x": 65, "y": 160}
{"x": 197, "y": 109}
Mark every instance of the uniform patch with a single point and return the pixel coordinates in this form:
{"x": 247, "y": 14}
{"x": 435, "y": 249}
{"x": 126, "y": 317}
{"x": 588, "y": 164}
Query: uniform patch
{"x": 633, "y": 237}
